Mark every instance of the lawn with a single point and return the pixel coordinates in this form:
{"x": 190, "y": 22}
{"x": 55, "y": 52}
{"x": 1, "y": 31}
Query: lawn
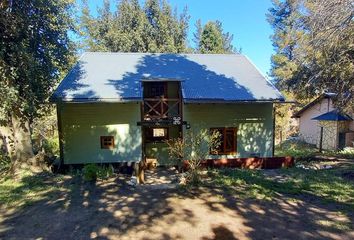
{"x": 334, "y": 185}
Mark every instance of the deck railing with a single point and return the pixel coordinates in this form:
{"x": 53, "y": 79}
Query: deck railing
{"x": 161, "y": 108}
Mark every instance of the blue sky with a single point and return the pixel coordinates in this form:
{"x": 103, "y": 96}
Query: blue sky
{"x": 245, "y": 19}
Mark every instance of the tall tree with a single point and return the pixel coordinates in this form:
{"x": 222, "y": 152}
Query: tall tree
{"x": 211, "y": 38}
{"x": 34, "y": 50}
{"x": 133, "y": 28}
{"x": 314, "y": 46}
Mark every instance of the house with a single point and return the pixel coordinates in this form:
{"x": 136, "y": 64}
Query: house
{"x": 121, "y": 107}
{"x": 321, "y": 124}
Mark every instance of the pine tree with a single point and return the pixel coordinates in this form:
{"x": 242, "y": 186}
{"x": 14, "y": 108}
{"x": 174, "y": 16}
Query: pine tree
{"x": 211, "y": 38}
{"x": 314, "y": 48}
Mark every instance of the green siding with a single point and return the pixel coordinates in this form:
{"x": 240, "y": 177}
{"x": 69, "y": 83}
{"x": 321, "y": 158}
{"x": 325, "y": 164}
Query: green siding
{"x": 83, "y": 124}
{"x": 253, "y": 120}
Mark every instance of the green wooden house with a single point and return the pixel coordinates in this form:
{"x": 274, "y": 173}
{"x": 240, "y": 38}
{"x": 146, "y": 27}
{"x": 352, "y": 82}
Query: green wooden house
{"x": 121, "y": 107}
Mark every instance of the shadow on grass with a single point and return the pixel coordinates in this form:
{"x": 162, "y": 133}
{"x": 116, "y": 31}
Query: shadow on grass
{"x": 324, "y": 185}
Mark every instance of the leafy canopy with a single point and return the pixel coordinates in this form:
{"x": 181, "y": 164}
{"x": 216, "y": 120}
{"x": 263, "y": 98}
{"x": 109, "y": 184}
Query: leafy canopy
{"x": 34, "y": 50}
{"x": 314, "y": 44}
{"x": 153, "y": 27}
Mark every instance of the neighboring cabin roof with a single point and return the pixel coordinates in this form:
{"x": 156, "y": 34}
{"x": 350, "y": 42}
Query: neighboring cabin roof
{"x": 313, "y": 103}
{"x": 334, "y": 115}
{"x": 101, "y": 76}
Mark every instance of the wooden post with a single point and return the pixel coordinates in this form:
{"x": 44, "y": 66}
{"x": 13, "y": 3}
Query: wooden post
{"x": 321, "y": 139}
{"x": 139, "y": 172}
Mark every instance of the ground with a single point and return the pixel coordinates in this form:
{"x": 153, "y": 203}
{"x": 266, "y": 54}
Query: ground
{"x": 230, "y": 204}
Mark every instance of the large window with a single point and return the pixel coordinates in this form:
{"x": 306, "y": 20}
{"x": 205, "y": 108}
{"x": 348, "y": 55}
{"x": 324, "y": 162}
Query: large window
{"x": 227, "y": 141}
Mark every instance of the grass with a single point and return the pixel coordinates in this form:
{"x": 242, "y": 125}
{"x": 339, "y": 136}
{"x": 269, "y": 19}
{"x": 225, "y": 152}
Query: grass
{"x": 303, "y": 151}
{"x": 328, "y": 185}
{"x": 28, "y": 189}
{"x": 296, "y": 149}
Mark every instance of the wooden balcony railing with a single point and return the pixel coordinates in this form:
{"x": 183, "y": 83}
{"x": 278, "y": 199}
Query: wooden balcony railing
{"x": 161, "y": 108}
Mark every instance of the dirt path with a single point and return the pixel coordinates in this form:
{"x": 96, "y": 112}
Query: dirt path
{"x": 114, "y": 210}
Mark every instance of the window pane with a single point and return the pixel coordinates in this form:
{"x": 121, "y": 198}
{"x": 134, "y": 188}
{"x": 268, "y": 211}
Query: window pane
{"x": 229, "y": 140}
{"x": 107, "y": 142}
{"x": 159, "y": 132}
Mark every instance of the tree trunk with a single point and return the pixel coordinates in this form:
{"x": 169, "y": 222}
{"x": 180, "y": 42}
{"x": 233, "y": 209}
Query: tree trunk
{"x": 21, "y": 140}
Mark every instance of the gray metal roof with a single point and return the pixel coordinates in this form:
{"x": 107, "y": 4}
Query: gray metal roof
{"x": 103, "y": 76}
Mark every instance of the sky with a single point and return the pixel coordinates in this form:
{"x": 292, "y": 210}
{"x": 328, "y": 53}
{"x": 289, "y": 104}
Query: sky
{"x": 245, "y": 19}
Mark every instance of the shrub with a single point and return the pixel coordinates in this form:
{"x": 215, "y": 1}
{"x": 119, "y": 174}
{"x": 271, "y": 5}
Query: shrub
{"x": 90, "y": 172}
{"x": 105, "y": 172}
{"x": 194, "y": 147}
{"x": 51, "y": 146}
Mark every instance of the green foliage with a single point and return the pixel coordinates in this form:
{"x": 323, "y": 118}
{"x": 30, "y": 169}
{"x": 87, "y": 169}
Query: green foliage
{"x": 92, "y": 172}
{"x": 51, "y": 146}
{"x": 153, "y": 27}
{"x": 104, "y": 172}
{"x": 297, "y": 149}
{"x": 26, "y": 189}
{"x": 194, "y": 147}
{"x": 34, "y": 50}
{"x": 328, "y": 185}
{"x": 314, "y": 48}
{"x": 211, "y": 38}
{"x": 5, "y": 163}
{"x": 285, "y": 125}
{"x": 303, "y": 151}
{"x": 347, "y": 152}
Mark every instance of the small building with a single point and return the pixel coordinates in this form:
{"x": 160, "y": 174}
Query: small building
{"x": 121, "y": 107}
{"x": 321, "y": 124}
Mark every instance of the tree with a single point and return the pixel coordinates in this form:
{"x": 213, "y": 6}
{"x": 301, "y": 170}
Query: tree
{"x": 314, "y": 48}
{"x": 34, "y": 51}
{"x": 211, "y": 38}
{"x": 133, "y": 28}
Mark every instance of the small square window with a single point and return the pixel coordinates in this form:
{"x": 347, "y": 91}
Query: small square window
{"x": 107, "y": 142}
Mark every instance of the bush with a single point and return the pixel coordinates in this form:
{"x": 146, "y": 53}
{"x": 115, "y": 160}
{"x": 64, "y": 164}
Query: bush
{"x": 51, "y": 146}
{"x": 105, "y": 172}
{"x": 90, "y": 172}
{"x": 194, "y": 147}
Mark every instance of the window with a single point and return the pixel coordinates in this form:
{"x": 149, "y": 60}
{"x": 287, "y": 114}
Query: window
{"x": 107, "y": 142}
{"x": 156, "y": 134}
{"x": 159, "y": 132}
{"x": 227, "y": 141}
{"x": 156, "y": 89}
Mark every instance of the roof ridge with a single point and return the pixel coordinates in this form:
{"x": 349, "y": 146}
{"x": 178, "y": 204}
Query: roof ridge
{"x": 159, "y": 53}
